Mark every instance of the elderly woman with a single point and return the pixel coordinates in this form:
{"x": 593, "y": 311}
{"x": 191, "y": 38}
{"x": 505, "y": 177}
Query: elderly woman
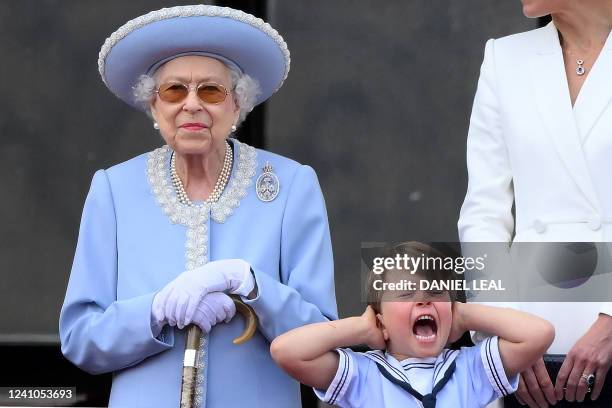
{"x": 539, "y": 138}
{"x": 166, "y": 236}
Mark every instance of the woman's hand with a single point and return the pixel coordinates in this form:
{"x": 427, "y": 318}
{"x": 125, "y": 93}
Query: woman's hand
{"x": 592, "y": 354}
{"x": 535, "y": 387}
{"x": 214, "y": 308}
{"x": 372, "y": 334}
{"x": 180, "y": 298}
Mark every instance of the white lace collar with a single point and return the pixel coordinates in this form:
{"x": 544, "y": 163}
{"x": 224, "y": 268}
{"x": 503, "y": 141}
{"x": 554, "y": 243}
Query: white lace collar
{"x": 158, "y": 173}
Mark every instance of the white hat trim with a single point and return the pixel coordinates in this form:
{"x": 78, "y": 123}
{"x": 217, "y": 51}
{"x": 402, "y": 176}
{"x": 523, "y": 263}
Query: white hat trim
{"x": 192, "y": 11}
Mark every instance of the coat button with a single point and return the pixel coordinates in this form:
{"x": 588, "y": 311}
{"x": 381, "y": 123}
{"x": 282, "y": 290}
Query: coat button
{"x": 594, "y": 222}
{"x": 539, "y": 226}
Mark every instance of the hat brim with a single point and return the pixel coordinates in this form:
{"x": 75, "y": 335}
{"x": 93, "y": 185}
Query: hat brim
{"x": 251, "y": 49}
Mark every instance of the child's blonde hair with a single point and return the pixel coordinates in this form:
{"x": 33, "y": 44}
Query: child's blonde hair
{"x": 412, "y": 249}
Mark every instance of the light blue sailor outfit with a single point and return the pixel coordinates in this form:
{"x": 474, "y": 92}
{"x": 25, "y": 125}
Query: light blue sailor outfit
{"x": 136, "y": 235}
{"x": 470, "y": 377}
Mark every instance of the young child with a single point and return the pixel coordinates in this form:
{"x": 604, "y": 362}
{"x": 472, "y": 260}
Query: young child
{"x": 416, "y": 370}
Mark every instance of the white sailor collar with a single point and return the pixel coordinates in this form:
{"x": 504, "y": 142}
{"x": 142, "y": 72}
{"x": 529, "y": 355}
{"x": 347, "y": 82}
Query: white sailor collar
{"x": 422, "y": 374}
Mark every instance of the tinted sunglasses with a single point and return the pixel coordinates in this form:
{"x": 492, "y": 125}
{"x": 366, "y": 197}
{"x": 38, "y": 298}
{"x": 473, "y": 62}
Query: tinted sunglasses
{"x": 208, "y": 92}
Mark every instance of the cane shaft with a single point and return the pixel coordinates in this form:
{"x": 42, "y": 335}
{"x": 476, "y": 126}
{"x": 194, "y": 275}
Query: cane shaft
{"x": 192, "y": 344}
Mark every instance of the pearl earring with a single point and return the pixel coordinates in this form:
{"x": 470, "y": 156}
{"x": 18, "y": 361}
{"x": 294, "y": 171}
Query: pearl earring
{"x": 155, "y": 125}
{"x": 234, "y": 128}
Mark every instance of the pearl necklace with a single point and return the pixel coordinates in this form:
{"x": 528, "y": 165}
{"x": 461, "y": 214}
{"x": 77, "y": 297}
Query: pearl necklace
{"x": 219, "y": 185}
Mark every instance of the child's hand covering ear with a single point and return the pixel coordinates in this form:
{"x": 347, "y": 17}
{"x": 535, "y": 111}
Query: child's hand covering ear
{"x": 373, "y": 334}
{"x": 457, "y": 328}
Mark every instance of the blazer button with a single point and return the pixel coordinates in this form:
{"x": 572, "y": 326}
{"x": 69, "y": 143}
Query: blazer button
{"x": 539, "y": 226}
{"x": 594, "y": 222}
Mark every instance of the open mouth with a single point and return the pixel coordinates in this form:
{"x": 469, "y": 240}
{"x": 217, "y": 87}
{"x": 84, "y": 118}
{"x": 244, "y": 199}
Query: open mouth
{"x": 425, "y": 328}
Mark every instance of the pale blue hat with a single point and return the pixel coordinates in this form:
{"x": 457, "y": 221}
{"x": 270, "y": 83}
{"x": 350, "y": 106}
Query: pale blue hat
{"x": 237, "y": 38}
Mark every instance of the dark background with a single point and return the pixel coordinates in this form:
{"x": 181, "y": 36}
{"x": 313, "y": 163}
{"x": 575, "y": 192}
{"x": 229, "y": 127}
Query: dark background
{"x": 377, "y": 102}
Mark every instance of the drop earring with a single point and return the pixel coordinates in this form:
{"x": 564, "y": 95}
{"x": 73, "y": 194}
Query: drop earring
{"x": 234, "y": 128}
{"x": 155, "y": 126}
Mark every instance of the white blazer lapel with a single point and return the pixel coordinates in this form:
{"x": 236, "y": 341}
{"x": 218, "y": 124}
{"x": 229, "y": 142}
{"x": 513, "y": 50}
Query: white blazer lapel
{"x": 554, "y": 104}
{"x": 596, "y": 93}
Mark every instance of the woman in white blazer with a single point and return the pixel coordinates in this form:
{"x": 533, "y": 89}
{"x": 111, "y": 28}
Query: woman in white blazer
{"x": 540, "y": 138}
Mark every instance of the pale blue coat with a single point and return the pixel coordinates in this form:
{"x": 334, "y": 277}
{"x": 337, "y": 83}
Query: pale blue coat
{"x": 128, "y": 249}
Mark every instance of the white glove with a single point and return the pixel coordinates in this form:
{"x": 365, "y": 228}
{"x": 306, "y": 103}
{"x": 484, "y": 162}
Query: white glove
{"x": 215, "y": 308}
{"x": 176, "y": 303}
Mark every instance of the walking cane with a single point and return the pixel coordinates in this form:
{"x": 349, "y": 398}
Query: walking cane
{"x": 192, "y": 345}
